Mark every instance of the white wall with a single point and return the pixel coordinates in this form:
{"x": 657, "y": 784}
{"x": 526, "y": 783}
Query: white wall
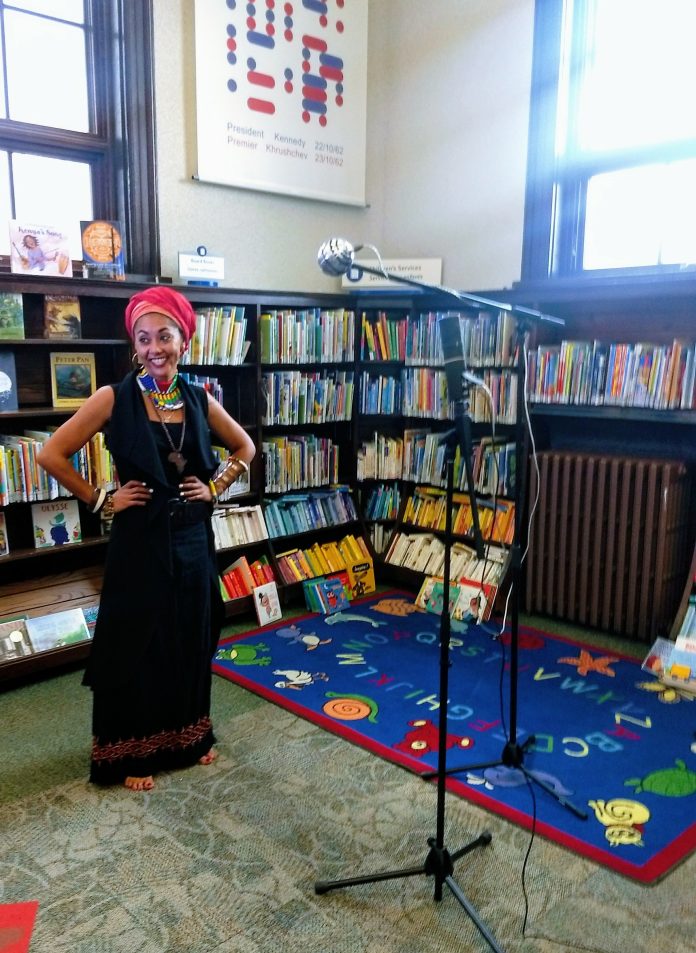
{"x": 448, "y": 91}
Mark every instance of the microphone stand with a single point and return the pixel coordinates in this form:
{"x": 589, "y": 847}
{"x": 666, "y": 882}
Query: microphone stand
{"x": 439, "y": 862}
{"x": 513, "y": 753}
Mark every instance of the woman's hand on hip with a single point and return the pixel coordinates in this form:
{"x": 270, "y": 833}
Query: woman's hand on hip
{"x": 133, "y": 493}
{"x": 193, "y": 490}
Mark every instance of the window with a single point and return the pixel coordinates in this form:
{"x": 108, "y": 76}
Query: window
{"x": 77, "y": 120}
{"x": 612, "y": 152}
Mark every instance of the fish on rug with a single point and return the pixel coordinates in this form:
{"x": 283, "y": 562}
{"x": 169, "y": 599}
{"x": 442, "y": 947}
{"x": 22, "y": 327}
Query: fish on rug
{"x": 608, "y": 738}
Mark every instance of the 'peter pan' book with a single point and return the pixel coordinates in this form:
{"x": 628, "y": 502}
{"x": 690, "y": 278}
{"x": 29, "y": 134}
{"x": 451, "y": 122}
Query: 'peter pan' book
{"x": 73, "y": 378}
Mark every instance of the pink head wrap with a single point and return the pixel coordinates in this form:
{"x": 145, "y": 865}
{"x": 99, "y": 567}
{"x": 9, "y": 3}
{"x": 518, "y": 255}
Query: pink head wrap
{"x": 162, "y": 300}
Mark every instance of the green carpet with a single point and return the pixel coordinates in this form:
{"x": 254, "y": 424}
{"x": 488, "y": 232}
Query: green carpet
{"x": 223, "y": 859}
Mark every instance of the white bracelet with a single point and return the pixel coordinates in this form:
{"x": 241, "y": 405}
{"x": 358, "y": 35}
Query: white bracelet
{"x": 100, "y": 501}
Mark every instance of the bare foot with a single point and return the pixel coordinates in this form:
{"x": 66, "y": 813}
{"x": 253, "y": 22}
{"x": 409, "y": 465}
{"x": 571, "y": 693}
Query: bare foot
{"x": 139, "y": 784}
{"x": 208, "y": 758}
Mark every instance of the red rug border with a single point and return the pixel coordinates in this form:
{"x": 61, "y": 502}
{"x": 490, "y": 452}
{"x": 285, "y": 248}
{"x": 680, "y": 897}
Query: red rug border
{"x": 658, "y": 865}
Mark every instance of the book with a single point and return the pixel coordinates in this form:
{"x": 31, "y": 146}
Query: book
{"x": 102, "y": 249}
{"x": 267, "y": 603}
{"x": 58, "y": 629}
{"x": 39, "y": 249}
{"x": 8, "y": 381}
{"x": 4, "y": 544}
{"x": 62, "y": 317}
{"x": 56, "y": 523}
{"x": 14, "y": 639}
{"x": 11, "y": 316}
{"x": 332, "y": 594}
{"x": 73, "y": 378}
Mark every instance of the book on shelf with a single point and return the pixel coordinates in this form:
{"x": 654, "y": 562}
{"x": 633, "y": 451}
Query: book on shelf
{"x": 103, "y": 249}
{"x": 56, "y": 523}
{"x": 4, "y": 542}
{"x": 8, "y": 381}
{"x": 673, "y": 663}
{"x": 325, "y": 595}
{"x": 58, "y": 629}
{"x": 90, "y": 613}
{"x": 11, "y": 316}
{"x": 62, "y": 317}
{"x": 15, "y": 642}
{"x": 267, "y": 603}
{"x": 39, "y": 250}
{"x": 241, "y": 570}
{"x": 73, "y": 378}
{"x": 469, "y": 601}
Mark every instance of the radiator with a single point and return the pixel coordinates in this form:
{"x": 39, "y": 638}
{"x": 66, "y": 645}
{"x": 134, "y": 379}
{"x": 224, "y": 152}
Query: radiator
{"x": 607, "y": 546}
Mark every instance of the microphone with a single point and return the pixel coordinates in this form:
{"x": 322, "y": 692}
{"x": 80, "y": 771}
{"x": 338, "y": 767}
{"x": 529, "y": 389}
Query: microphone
{"x": 336, "y": 256}
{"x": 453, "y": 353}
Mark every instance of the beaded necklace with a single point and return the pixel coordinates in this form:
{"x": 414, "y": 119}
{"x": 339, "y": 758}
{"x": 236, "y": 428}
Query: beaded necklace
{"x": 165, "y": 395}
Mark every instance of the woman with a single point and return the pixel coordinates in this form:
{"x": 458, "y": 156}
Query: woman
{"x": 160, "y": 609}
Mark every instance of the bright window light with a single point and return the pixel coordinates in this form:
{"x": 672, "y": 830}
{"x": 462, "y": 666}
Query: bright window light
{"x": 641, "y": 217}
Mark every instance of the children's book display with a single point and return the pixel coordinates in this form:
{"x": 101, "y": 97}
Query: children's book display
{"x": 267, "y": 603}
{"x": 11, "y": 316}
{"x": 56, "y": 523}
{"x": 73, "y": 378}
{"x": 469, "y": 601}
{"x": 102, "y": 249}
{"x": 327, "y": 595}
{"x": 14, "y": 639}
{"x": 674, "y": 663}
{"x": 62, "y": 318}
{"x": 57, "y": 630}
{"x": 39, "y": 250}
{"x": 8, "y": 381}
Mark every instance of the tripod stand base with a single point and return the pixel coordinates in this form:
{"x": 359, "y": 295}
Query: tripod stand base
{"x": 438, "y": 864}
{"x": 513, "y": 757}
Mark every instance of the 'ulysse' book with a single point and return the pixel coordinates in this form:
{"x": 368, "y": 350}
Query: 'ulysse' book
{"x": 56, "y": 523}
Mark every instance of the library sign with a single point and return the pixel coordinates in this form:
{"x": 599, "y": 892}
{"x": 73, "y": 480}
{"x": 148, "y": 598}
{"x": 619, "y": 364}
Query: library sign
{"x": 281, "y": 93}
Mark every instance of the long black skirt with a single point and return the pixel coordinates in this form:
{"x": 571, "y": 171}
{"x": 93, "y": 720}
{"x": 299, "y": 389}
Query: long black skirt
{"x": 161, "y": 720}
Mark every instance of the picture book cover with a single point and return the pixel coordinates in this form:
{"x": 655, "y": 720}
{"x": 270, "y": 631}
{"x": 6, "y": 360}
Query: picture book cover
{"x": 14, "y": 639}
{"x": 468, "y": 601}
{"x": 57, "y": 630}
{"x": 102, "y": 249}
{"x": 11, "y": 316}
{"x": 62, "y": 317}
{"x": 73, "y": 378}
{"x": 4, "y": 542}
{"x": 56, "y": 523}
{"x": 333, "y": 595}
{"x": 39, "y": 250}
{"x": 8, "y": 381}
{"x": 267, "y": 603}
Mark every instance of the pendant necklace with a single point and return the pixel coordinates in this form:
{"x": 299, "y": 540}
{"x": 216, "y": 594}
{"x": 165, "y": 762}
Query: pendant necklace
{"x": 176, "y": 456}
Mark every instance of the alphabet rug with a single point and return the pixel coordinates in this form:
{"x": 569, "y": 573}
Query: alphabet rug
{"x": 610, "y": 774}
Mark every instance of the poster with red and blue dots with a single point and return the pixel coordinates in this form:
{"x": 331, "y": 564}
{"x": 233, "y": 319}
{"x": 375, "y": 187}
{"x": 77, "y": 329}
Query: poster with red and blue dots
{"x": 281, "y": 90}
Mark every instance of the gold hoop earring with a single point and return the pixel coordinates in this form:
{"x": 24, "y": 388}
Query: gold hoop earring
{"x": 135, "y": 362}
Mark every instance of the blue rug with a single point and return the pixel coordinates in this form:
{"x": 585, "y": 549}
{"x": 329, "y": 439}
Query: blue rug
{"x": 608, "y": 737}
